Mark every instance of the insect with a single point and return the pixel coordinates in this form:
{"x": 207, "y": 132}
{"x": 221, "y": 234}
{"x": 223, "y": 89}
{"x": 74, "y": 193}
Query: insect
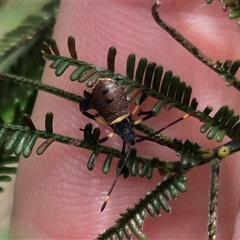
{"x": 110, "y": 102}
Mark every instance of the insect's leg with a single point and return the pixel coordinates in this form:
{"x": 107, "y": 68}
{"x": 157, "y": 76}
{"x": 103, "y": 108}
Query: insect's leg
{"x": 121, "y": 160}
{"x": 104, "y": 139}
{"x": 141, "y": 100}
{"x": 142, "y": 138}
{"x": 101, "y": 140}
{"x": 84, "y": 106}
{"x": 149, "y": 114}
{"x": 122, "y": 163}
{"x": 117, "y": 176}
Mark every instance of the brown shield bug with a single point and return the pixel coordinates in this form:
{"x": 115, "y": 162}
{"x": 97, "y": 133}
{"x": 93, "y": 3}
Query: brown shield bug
{"x": 110, "y": 102}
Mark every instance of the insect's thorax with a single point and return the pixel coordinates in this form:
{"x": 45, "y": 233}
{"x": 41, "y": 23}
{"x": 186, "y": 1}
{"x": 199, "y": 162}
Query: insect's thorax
{"x": 125, "y": 131}
{"x": 110, "y": 101}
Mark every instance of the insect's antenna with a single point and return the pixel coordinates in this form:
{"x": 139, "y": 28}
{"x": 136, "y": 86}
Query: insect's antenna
{"x": 117, "y": 176}
{"x": 167, "y": 126}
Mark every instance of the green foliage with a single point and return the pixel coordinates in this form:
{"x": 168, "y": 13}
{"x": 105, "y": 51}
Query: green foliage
{"x": 131, "y": 222}
{"x": 223, "y": 122}
{"x": 143, "y": 80}
{"x": 149, "y": 79}
{"x": 226, "y": 70}
{"x": 233, "y": 6}
{"x": 20, "y": 55}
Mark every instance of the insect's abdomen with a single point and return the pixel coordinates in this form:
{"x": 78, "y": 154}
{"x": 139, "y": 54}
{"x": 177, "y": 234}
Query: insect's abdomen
{"x": 110, "y": 100}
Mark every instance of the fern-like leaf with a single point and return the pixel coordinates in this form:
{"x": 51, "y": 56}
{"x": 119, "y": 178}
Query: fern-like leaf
{"x": 223, "y": 123}
{"x": 6, "y": 167}
{"x": 139, "y": 166}
{"x": 29, "y": 29}
{"x": 234, "y": 7}
{"x": 17, "y": 140}
{"x": 149, "y": 78}
{"x": 131, "y": 222}
{"x": 216, "y": 66}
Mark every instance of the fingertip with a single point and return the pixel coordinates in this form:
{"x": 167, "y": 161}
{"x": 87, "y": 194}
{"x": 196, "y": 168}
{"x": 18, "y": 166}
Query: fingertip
{"x": 236, "y": 232}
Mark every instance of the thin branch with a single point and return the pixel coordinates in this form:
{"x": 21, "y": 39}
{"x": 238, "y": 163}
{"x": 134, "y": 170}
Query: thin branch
{"x": 216, "y": 66}
{"x": 40, "y": 86}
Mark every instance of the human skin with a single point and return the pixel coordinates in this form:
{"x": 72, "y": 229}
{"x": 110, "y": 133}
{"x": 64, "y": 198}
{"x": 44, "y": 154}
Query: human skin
{"x": 56, "y": 197}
